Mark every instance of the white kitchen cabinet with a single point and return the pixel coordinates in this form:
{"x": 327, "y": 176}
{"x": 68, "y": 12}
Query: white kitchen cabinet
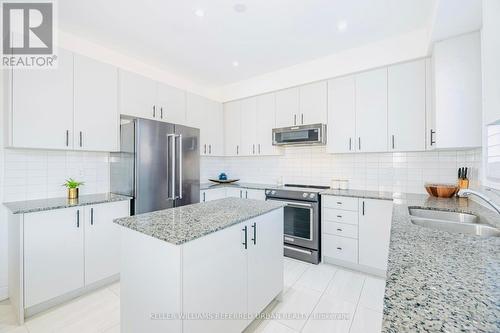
{"x": 232, "y": 128}
{"x": 406, "y": 106}
{"x": 457, "y": 92}
{"x": 235, "y": 192}
{"x": 102, "y": 241}
{"x": 137, "y": 95}
{"x": 371, "y": 111}
{"x": 248, "y": 127}
{"x": 212, "y": 194}
{"x": 266, "y": 121}
{"x": 208, "y": 116}
{"x": 41, "y": 106}
{"x": 287, "y": 107}
{"x": 375, "y": 218}
{"x": 53, "y": 254}
{"x": 96, "y": 117}
{"x": 341, "y": 115}
{"x": 171, "y": 103}
{"x": 312, "y": 103}
{"x": 265, "y": 260}
{"x": 223, "y": 288}
{"x": 255, "y": 194}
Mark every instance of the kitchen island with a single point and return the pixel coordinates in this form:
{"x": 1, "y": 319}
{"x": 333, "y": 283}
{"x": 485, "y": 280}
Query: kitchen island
{"x": 208, "y": 267}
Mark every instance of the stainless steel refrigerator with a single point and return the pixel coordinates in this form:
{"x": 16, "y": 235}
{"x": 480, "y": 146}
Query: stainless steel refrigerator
{"x": 158, "y": 164}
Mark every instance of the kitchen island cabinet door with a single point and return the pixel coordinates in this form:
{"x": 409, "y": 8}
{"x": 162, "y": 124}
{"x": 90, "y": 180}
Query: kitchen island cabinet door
{"x": 265, "y": 260}
{"x": 53, "y": 254}
{"x": 215, "y": 281}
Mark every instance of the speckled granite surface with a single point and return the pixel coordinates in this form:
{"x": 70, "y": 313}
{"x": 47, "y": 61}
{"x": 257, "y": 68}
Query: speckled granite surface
{"x": 31, "y": 206}
{"x": 183, "y": 224}
{"x": 359, "y": 194}
{"x": 207, "y": 186}
{"x": 438, "y": 281}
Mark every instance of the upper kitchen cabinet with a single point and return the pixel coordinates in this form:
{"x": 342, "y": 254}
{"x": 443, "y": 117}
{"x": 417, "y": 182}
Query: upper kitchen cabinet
{"x": 287, "y": 107}
{"x": 41, "y": 106}
{"x": 248, "y": 127}
{"x": 341, "y": 115}
{"x": 96, "y": 117}
{"x": 171, "y": 103}
{"x": 406, "y": 106}
{"x": 232, "y": 128}
{"x": 138, "y": 96}
{"x": 266, "y": 121}
{"x": 457, "y": 92}
{"x": 206, "y": 115}
{"x": 312, "y": 104}
{"x": 371, "y": 111}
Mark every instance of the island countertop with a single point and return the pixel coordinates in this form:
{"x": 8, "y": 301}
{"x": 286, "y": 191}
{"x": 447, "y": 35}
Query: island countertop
{"x": 183, "y": 224}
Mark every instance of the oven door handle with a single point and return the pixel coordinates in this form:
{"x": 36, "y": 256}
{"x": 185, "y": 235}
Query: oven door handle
{"x": 290, "y": 203}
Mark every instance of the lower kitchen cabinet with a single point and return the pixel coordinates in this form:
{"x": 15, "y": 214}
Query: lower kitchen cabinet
{"x": 212, "y": 194}
{"x": 57, "y": 254}
{"x": 232, "y": 192}
{"x": 374, "y": 232}
{"x": 356, "y": 233}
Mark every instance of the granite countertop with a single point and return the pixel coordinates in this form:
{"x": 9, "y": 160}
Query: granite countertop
{"x": 254, "y": 186}
{"x": 359, "y": 194}
{"x": 186, "y": 223}
{"x": 31, "y": 206}
{"x": 439, "y": 281}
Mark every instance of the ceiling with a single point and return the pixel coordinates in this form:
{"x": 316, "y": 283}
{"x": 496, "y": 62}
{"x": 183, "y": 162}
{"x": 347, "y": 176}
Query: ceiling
{"x": 267, "y": 36}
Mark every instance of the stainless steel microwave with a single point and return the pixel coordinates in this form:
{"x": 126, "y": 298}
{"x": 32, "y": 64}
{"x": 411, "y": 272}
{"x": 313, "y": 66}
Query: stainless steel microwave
{"x": 300, "y": 135}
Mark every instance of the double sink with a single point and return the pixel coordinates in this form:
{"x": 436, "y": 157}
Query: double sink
{"x": 454, "y": 222}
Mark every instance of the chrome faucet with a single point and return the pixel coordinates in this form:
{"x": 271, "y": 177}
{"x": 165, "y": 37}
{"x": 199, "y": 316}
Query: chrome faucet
{"x": 466, "y": 192}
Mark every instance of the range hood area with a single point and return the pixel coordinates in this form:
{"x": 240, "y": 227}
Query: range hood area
{"x": 314, "y": 134}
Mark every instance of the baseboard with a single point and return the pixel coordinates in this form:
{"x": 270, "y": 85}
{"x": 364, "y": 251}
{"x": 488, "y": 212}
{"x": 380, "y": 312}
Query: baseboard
{"x": 4, "y": 293}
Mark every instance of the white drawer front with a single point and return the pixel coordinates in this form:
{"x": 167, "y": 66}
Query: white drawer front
{"x": 338, "y": 215}
{"x": 344, "y": 203}
{"x": 341, "y": 248}
{"x": 340, "y": 229}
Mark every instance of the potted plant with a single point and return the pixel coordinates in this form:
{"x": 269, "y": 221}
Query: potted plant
{"x": 72, "y": 186}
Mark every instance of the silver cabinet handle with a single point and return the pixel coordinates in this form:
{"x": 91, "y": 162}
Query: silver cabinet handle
{"x": 392, "y": 141}
{"x": 204, "y": 197}
{"x": 180, "y": 165}
{"x": 245, "y": 242}
{"x": 253, "y": 149}
{"x": 339, "y": 203}
{"x": 78, "y": 218}
{"x": 432, "y": 137}
{"x": 154, "y": 111}
{"x": 210, "y": 149}
{"x": 246, "y": 194}
{"x": 350, "y": 144}
{"x": 338, "y": 229}
{"x": 161, "y": 112}
{"x": 81, "y": 139}
{"x": 359, "y": 143}
{"x": 241, "y": 194}
{"x": 363, "y": 208}
{"x": 339, "y": 248}
{"x": 259, "y": 148}
{"x": 237, "y": 149}
{"x": 339, "y": 216}
{"x": 302, "y": 118}
{"x": 295, "y": 119}
{"x": 205, "y": 149}
{"x": 91, "y": 216}
{"x": 254, "y": 239}
{"x": 67, "y": 138}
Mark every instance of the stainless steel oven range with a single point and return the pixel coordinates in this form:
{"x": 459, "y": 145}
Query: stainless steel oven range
{"x": 301, "y": 220}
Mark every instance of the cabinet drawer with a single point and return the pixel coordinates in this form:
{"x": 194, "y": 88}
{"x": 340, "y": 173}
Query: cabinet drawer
{"x": 340, "y": 229}
{"x": 344, "y": 203}
{"x": 338, "y": 215}
{"x": 341, "y": 248}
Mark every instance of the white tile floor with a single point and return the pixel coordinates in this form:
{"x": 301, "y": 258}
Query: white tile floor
{"x": 311, "y": 292}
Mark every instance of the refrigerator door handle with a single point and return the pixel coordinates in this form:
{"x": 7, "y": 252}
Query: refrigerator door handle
{"x": 180, "y": 165}
{"x": 171, "y": 180}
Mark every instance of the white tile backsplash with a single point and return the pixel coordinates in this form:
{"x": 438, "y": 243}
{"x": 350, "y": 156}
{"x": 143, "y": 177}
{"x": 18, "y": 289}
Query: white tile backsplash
{"x": 39, "y": 174}
{"x": 398, "y": 172}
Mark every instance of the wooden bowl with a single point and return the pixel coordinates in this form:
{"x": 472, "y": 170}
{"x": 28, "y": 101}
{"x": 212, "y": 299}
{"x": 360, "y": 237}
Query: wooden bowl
{"x": 441, "y": 190}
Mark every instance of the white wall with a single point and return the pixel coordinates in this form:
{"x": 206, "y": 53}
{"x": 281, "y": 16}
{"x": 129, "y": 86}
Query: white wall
{"x": 490, "y": 42}
{"x": 385, "y": 52}
{"x": 3, "y": 213}
{"x": 398, "y": 172}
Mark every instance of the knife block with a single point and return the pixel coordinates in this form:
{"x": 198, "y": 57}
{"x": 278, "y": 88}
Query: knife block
{"x": 463, "y": 183}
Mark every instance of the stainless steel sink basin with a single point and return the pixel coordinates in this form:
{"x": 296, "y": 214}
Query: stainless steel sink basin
{"x": 452, "y": 222}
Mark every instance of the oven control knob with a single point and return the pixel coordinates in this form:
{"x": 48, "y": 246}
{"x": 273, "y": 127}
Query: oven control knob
{"x": 304, "y": 195}
{"x": 312, "y": 195}
{"x": 273, "y": 192}
{"x": 268, "y": 192}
